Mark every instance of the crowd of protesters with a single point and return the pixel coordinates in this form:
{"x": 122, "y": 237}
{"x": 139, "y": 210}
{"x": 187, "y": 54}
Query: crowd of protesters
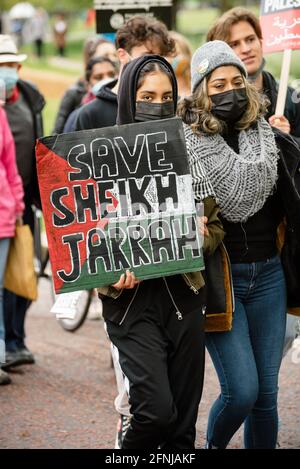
{"x": 239, "y": 154}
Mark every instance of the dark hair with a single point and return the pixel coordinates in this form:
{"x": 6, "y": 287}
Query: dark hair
{"x": 151, "y": 67}
{"x": 90, "y": 47}
{"x": 221, "y": 29}
{"x": 96, "y": 60}
{"x": 140, "y": 30}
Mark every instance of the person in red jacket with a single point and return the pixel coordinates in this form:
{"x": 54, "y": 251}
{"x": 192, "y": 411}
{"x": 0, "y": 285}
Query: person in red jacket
{"x": 11, "y": 208}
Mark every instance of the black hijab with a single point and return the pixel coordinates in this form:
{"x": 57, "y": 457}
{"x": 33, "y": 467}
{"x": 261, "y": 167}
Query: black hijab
{"x": 128, "y": 84}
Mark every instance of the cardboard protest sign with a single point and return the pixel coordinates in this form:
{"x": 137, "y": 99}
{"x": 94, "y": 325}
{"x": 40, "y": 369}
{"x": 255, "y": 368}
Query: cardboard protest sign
{"x": 280, "y": 22}
{"x": 112, "y": 14}
{"x": 118, "y": 198}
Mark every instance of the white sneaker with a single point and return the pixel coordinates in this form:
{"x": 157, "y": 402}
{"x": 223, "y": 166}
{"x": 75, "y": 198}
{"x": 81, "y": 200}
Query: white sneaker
{"x": 95, "y": 309}
{"x": 122, "y": 427}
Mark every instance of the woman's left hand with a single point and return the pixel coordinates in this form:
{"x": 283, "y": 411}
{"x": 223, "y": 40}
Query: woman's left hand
{"x": 281, "y": 123}
{"x": 202, "y": 222}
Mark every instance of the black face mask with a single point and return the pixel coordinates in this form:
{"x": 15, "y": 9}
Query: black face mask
{"x": 153, "y": 111}
{"x": 230, "y": 105}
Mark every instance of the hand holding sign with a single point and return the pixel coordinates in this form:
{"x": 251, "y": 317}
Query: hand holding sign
{"x": 128, "y": 282}
{"x": 281, "y": 123}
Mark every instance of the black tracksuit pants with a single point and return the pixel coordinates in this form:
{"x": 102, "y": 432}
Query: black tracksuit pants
{"x": 162, "y": 358}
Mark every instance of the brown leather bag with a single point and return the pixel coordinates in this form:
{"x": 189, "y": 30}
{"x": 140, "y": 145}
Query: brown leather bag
{"x": 220, "y": 297}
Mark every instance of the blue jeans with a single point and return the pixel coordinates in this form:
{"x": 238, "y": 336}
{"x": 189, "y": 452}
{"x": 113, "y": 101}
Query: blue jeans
{"x": 247, "y": 359}
{"x": 4, "y": 246}
{"x": 15, "y": 307}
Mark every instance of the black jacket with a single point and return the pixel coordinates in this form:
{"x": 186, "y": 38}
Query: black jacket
{"x": 71, "y": 100}
{"x": 289, "y": 178}
{"x": 36, "y": 103}
{"x": 289, "y": 189}
{"x": 292, "y": 109}
{"x": 102, "y": 112}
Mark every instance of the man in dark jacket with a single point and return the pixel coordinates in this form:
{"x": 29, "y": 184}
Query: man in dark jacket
{"x": 139, "y": 35}
{"x": 241, "y": 29}
{"x": 23, "y": 107}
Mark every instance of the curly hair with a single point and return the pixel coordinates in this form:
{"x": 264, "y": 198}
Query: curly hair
{"x": 196, "y": 110}
{"x": 139, "y": 30}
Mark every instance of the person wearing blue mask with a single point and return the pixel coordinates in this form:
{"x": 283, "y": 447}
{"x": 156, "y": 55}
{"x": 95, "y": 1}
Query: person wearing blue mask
{"x": 23, "y": 106}
{"x": 100, "y": 71}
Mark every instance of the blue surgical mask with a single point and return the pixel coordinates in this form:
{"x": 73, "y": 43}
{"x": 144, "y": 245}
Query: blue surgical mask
{"x": 9, "y": 75}
{"x": 97, "y": 86}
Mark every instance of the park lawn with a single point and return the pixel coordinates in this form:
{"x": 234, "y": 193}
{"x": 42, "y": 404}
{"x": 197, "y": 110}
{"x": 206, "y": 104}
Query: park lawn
{"x": 49, "y": 114}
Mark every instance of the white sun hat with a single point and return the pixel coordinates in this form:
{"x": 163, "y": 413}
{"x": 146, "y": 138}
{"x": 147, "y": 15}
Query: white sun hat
{"x": 9, "y": 51}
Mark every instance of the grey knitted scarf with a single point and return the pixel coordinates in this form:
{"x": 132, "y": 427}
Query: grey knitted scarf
{"x": 241, "y": 183}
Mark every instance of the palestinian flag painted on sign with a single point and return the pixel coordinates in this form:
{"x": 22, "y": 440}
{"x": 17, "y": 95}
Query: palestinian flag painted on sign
{"x": 118, "y": 198}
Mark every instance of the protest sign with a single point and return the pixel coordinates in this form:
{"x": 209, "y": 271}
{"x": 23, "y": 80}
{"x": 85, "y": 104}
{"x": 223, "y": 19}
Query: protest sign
{"x": 112, "y": 14}
{"x": 280, "y": 22}
{"x": 118, "y": 198}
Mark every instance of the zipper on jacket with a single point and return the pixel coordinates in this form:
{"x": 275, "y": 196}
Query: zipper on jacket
{"x": 128, "y": 307}
{"x": 178, "y": 313}
{"x": 194, "y": 289}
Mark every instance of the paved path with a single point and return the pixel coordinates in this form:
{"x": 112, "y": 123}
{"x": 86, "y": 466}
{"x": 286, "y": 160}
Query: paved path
{"x": 66, "y": 399}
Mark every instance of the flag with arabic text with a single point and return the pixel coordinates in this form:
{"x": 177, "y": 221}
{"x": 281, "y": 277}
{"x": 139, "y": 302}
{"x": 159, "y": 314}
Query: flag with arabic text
{"x": 280, "y": 22}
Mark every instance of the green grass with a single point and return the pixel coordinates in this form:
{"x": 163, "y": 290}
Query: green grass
{"x": 49, "y": 115}
{"x": 191, "y": 22}
{"x": 73, "y": 49}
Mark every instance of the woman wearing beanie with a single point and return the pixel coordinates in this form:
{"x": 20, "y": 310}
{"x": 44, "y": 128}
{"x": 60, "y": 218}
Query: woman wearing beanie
{"x": 160, "y": 347}
{"x": 11, "y": 208}
{"x": 226, "y": 133}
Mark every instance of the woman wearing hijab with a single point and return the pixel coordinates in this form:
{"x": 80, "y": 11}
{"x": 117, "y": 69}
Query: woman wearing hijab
{"x": 228, "y": 136}
{"x": 160, "y": 346}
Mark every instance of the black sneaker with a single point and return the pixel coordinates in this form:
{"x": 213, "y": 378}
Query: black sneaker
{"x": 18, "y": 358}
{"x": 4, "y": 377}
{"x": 27, "y": 356}
{"x": 122, "y": 427}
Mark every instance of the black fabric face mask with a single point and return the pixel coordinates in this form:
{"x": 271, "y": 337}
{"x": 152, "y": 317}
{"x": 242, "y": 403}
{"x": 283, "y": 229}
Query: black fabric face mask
{"x": 153, "y": 111}
{"x": 230, "y": 105}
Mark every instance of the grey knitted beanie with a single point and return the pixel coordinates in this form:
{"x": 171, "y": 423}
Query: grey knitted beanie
{"x": 210, "y": 56}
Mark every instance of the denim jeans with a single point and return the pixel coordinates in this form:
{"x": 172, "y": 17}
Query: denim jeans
{"x": 247, "y": 359}
{"x": 15, "y": 307}
{"x": 4, "y": 246}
